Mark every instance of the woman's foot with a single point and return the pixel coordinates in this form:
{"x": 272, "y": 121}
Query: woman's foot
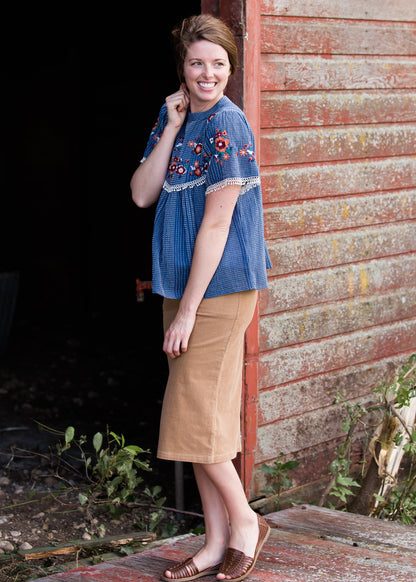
{"x": 205, "y": 562}
{"x": 239, "y": 560}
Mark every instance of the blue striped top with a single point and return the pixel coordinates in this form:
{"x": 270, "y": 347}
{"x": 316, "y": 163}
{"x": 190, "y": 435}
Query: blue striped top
{"x": 213, "y": 149}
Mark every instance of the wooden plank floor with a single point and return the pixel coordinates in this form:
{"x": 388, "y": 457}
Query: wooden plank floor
{"x": 307, "y": 544}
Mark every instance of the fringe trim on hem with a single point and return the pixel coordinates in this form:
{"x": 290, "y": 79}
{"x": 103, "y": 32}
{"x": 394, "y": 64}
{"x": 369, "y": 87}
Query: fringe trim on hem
{"x": 246, "y": 183}
{"x": 178, "y": 187}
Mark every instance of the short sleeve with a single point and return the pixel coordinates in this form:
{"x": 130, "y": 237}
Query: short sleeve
{"x": 156, "y": 132}
{"x": 231, "y": 151}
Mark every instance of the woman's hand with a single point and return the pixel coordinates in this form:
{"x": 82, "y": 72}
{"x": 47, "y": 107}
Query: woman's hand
{"x": 177, "y": 105}
{"x": 178, "y": 334}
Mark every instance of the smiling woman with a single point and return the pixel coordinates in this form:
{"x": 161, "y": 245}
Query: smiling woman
{"x": 206, "y": 71}
{"x": 209, "y": 261}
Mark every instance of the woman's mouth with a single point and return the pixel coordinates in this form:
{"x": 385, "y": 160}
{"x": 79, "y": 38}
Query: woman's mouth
{"x": 205, "y": 85}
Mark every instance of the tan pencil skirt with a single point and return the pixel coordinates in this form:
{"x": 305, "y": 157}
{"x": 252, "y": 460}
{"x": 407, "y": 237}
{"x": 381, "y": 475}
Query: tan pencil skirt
{"x": 200, "y": 420}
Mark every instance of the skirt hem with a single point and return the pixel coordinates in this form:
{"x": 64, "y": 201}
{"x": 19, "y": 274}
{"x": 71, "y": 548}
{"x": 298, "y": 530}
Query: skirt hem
{"x": 165, "y": 456}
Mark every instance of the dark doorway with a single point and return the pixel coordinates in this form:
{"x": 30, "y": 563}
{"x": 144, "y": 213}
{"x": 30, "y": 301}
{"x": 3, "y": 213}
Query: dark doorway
{"x": 80, "y": 96}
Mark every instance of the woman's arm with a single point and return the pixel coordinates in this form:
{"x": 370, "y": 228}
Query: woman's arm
{"x": 208, "y": 250}
{"x": 147, "y": 181}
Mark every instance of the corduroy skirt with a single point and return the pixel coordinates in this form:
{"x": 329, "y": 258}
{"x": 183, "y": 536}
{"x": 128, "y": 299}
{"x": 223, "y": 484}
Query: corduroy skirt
{"x": 200, "y": 420}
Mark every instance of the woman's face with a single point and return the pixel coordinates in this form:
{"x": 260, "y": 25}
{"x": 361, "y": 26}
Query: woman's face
{"x": 206, "y": 70}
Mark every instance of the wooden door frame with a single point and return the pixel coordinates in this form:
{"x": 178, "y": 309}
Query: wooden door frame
{"x": 243, "y": 17}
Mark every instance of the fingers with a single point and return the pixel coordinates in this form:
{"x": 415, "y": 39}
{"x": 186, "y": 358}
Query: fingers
{"x": 177, "y": 335}
{"x": 178, "y": 101}
{"x": 174, "y": 346}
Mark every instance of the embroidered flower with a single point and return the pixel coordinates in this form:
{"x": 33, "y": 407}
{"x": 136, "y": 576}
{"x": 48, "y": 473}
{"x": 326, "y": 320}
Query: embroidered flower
{"x": 197, "y": 171}
{"x": 221, "y": 142}
{"x": 194, "y": 165}
{"x": 196, "y": 145}
{"x": 247, "y": 150}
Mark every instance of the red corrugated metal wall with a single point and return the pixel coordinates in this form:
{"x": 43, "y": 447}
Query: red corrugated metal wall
{"x": 337, "y": 151}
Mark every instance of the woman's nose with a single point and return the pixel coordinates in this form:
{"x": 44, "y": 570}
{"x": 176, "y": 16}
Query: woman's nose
{"x": 208, "y": 71}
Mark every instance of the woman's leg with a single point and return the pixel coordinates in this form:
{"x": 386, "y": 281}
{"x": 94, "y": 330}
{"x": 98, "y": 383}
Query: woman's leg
{"x": 243, "y": 520}
{"x": 217, "y": 529}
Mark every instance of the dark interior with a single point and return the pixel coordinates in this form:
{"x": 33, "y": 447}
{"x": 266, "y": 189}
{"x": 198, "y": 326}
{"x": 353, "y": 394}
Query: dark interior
{"x": 80, "y": 95}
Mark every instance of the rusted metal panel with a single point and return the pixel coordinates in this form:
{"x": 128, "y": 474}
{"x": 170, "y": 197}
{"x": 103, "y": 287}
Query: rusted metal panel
{"x": 318, "y": 251}
{"x": 336, "y": 37}
{"x": 296, "y": 146}
{"x": 338, "y": 214}
{"x": 320, "y": 357}
{"x": 298, "y": 72}
{"x": 300, "y": 182}
{"x": 343, "y": 282}
{"x": 353, "y": 9}
{"x": 298, "y": 109}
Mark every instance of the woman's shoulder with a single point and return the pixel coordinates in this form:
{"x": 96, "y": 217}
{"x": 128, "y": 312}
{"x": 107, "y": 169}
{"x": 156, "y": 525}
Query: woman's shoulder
{"x": 229, "y": 115}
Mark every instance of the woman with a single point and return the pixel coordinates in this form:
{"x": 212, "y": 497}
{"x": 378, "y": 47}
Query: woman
{"x": 209, "y": 260}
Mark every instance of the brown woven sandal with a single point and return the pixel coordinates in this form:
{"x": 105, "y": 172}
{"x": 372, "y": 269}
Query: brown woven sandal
{"x": 187, "y": 570}
{"x": 236, "y": 564}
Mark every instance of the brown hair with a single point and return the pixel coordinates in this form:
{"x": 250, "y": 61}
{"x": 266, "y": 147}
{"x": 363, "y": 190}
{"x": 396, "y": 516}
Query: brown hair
{"x": 203, "y": 27}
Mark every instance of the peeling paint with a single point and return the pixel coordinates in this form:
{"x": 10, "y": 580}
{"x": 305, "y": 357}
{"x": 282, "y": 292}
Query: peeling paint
{"x": 319, "y": 357}
{"x": 339, "y": 186}
{"x": 290, "y": 146}
{"x": 327, "y": 215}
{"x": 331, "y": 249}
{"x": 322, "y": 321}
{"x": 338, "y": 178}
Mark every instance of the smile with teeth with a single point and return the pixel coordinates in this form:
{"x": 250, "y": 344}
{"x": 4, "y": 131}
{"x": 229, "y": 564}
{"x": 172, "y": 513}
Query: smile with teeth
{"x": 206, "y": 85}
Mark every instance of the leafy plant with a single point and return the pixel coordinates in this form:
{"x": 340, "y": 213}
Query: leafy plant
{"x": 392, "y": 435}
{"x": 158, "y": 516}
{"x": 111, "y": 471}
{"x": 341, "y": 483}
{"x": 279, "y": 478}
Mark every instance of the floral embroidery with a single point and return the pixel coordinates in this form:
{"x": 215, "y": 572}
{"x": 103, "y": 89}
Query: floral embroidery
{"x": 221, "y": 143}
{"x": 197, "y": 147}
{"x": 247, "y": 150}
{"x": 156, "y": 134}
{"x": 189, "y": 158}
{"x": 179, "y": 165}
